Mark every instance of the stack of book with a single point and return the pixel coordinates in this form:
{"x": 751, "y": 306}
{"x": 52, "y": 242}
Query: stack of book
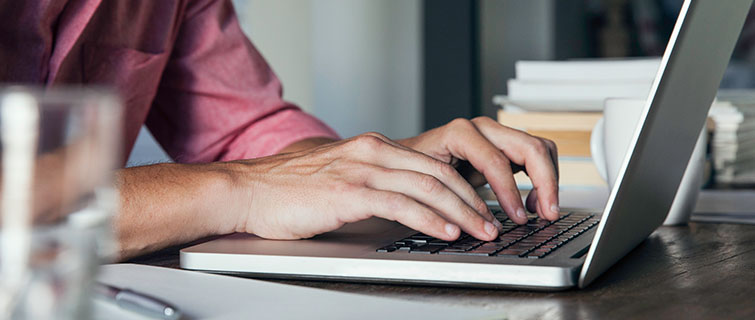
{"x": 733, "y": 142}
{"x": 563, "y": 100}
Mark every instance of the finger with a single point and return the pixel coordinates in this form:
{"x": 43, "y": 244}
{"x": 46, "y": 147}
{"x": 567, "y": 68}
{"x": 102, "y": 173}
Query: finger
{"x": 432, "y": 193}
{"x": 398, "y": 207}
{"x": 540, "y": 212}
{"x": 531, "y": 201}
{"x": 553, "y": 151}
{"x": 394, "y": 156}
{"x": 531, "y": 152}
{"x": 536, "y": 207}
{"x": 469, "y": 144}
{"x": 533, "y": 205}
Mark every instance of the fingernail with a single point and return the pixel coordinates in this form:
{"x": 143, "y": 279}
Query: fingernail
{"x": 498, "y": 224}
{"x": 555, "y": 209}
{"x": 490, "y": 229}
{"x": 520, "y": 213}
{"x": 451, "y": 229}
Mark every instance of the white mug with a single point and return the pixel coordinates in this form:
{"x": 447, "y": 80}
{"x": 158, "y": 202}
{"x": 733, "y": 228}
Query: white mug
{"x": 609, "y": 144}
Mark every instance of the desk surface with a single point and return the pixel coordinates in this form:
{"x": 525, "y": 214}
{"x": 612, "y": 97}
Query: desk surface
{"x": 700, "y": 271}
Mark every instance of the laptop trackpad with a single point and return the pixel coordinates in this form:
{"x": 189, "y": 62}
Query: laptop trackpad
{"x": 354, "y": 239}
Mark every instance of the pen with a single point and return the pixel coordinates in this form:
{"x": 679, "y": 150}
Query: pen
{"x": 137, "y": 302}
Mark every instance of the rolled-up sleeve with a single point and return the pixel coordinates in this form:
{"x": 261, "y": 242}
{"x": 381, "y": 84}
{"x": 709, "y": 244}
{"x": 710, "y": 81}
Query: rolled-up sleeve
{"x": 218, "y": 99}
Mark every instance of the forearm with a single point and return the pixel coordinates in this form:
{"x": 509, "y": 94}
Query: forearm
{"x": 168, "y": 204}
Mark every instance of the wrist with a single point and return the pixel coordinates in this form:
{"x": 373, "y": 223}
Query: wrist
{"x": 237, "y": 182}
{"x": 229, "y": 194}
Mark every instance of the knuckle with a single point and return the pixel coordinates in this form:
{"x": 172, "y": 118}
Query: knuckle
{"x": 368, "y": 142}
{"x": 538, "y": 146}
{"x": 461, "y": 124}
{"x": 423, "y": 219}
{"x": 499, "y": 161}
{"x": 376, "y": 135}
{"x": 445, "y": 170}
{"x": 429, "y": 184}
{"x": 395, "y": 202}
{"x": 344, "y": 188}
{"x": 483, "y": 120}
{"x": 550, "y": 144}
{"x": 480, "y": 205}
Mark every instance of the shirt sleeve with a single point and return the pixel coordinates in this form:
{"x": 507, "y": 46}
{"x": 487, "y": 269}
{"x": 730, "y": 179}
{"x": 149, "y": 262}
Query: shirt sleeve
{"x": 218, "y": 99}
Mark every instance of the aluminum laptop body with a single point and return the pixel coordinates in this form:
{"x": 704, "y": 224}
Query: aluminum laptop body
{"x": 691, "y": 70}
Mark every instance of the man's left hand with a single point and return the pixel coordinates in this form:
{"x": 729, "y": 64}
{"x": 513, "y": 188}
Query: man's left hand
{"x": 496, "y": 153}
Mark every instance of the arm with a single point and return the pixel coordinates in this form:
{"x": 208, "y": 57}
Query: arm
{"x": 218, "y": 99}
{"x": 169, "y": 204}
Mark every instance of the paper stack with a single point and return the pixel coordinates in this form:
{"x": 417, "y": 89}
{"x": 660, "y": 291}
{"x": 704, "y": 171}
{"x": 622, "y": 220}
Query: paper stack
{"x": 579, "y": 85}
{"x": 733, "y": 142}
{"x": 562, "y": 101}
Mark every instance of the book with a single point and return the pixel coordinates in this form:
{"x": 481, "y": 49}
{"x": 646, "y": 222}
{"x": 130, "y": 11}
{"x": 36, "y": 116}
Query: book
{"x": 569, "y": 130}
{"x": 593, "y": 70}
{"x": 576, "y": 93}
{"x": 733, "y": 141}
{"x": 560, "y": 121}
{"x": 574, "y": 172}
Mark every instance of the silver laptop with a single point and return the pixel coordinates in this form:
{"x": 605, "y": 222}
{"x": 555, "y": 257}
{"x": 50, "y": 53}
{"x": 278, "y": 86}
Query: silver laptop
{"x": 544, "y": 255}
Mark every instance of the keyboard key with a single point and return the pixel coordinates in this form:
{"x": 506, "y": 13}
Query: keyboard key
{"x": 388, "y": 248}
{"x": 480, "y": 252}
{"x": 520, "y": 246}
{"x": 538, "y": 237}
{"x": 489, "y": 246}
{"x": 428, "y": 249}
{"x": 451, "y": 251}
{"x": 466, "y": 253}
{"x": 509, "y": 253}
{"x": 463, "y": 247}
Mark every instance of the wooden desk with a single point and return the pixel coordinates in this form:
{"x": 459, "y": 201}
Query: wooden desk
{"x": 700, "y": 271}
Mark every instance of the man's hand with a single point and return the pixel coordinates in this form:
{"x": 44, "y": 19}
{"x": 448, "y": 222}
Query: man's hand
{"x": 412, "y": 181}
{"x": 495, "y": 153}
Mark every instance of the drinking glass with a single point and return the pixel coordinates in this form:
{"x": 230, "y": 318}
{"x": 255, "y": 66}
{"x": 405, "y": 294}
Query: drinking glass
{"x": 59, "y": 150}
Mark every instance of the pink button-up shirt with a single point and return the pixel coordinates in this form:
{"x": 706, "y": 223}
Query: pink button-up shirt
{"x": 183, "y": 67}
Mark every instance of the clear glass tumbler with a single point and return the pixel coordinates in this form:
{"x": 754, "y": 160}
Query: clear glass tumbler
{"x": 59, "y": 151}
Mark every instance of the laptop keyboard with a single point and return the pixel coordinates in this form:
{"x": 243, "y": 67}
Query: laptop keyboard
{"x": 533, "y": 240}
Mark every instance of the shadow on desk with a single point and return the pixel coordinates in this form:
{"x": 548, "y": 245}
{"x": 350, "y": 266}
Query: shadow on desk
{"x": 700, "y": 271}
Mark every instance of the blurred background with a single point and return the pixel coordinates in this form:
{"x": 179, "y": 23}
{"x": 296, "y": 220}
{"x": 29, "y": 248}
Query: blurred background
{"x": 403, "y": 66}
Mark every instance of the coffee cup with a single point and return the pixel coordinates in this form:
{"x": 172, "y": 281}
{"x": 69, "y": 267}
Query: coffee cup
{"x": 610, "y": 142}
